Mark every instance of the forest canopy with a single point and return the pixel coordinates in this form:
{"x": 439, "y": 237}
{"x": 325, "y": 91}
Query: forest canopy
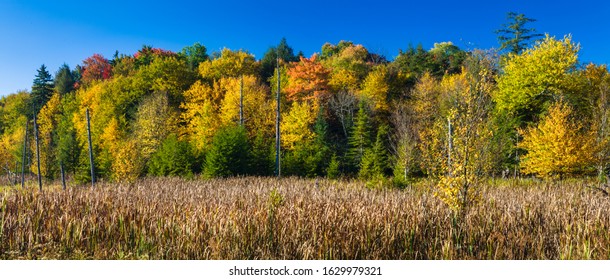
{"x": 446, "y": 113}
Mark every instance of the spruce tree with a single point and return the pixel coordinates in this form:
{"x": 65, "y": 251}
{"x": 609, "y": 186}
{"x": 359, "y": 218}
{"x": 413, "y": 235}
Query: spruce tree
{"x": 269, "y": 60}
{"x": 229, "y": 153}
{"x": 374, "y": 164}
{"x": 360, "y": 138}
{"x": 64, "y": 80}
{"x": 42, "y": 89}
{"x": 514, "y": 36}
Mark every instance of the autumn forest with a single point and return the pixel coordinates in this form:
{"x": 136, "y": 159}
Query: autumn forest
{"x": 529, "y": 108}
{"x": 438, "y": 153}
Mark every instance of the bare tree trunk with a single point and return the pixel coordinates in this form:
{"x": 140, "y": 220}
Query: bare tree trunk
{"x": 37, "y": 154}
{"x": 25, "y": 144}
{"x": 90, "y": 149}
{"x": 278, "y": 171}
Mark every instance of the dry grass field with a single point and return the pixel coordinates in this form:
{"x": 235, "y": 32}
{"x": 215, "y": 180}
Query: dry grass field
{"x": 265, "y": 218}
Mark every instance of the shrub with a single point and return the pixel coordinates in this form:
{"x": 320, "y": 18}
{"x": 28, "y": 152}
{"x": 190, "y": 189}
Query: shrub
{"x": 173, "y": 158}
{"x": 228, "y": 154}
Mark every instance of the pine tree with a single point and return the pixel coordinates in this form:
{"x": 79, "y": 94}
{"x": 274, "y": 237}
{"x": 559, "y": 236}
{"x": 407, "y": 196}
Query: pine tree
{"x": 64, "y": 80}
{"x": 269, "y": 61}
{"x": 360, "y": 138}
{"x": 228, "y": 154}
{"x": 42, "y": 89}
{"x": 514, "y": 36}
{"x": 173, "y": 158}
{"x": 374, "y": 164}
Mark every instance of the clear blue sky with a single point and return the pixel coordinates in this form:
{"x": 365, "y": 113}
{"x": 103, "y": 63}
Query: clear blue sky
{"x": 54, "y": 32}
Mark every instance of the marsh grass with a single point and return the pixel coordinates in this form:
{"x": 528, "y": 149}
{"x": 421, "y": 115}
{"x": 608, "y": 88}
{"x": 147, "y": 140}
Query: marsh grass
{"x": 265, "y": 218}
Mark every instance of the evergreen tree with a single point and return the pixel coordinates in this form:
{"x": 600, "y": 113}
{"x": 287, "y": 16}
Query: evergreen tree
{"x": 269, "y": 61}
{"x": 173, "y": 158}
{"x": 64, "y": 80}
{"x": 374, "y": 164}
{"x": 360, "y": 138}
{"x": 42, "y": 89}
{"x": 262, "y": 155}
{"x": 514, "y": 36}
{"x": 228, "y": 154}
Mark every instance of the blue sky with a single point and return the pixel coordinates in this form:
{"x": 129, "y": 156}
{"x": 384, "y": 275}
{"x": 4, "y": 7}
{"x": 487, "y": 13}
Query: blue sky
{"x": 54, "y": 32}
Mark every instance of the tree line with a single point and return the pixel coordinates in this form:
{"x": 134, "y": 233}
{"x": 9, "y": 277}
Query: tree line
{"x": 457, "y": 115}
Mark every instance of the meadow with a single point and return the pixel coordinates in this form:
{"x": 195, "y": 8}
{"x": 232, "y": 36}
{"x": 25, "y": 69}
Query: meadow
{"x": 291, "y": 218}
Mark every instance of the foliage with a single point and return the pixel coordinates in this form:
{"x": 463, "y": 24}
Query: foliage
{"x": 467, "y": 134}
{"x": 307, "y": 79}
{"x": 195, "y": 55}
{"x": 228, "y": 154}
{"x": 375, "y": 89}
{"x": 348, "y": 63}
{"x": 535, "y": 77}
{"x": 42, "y": 89}
{"x": 309, "y": 157}
{"x": 229, "y": 64}
{"x": 173, "y": 158}
{"x": 296, "y": 125}
{"x": 96, "y": 68}
{"x": 47, "y": 124}
{"x": 360, "y": 138}
{"x": 374, "y": 165}
{"x": 199, "y": 115}
{"x": 64, "y": 80}
{"x": 558, "y": 146}
{"x": 598, "y": 81}
{"x": 331, "y": 105}
{"x": 269, "y": 60}
{"x": 513, "y": 36}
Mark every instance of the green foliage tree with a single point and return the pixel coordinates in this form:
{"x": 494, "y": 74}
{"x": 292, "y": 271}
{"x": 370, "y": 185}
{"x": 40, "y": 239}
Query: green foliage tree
{"x": 514, "y": 36}
{"x": 195, "y": 55}
{"x": 228, "y": 154}
{"x": 67, "y": 145}
{"x": 173, "y": 158}
{"x": 445, "y": 58}
{"x": 360, "y": 138}
{"x": 64, "y": 80}
{"x": 535, "y": 77}
{"x": 374, "y": 165}
{"x": 42, "y": 89}
{"x": 269, "y": 60}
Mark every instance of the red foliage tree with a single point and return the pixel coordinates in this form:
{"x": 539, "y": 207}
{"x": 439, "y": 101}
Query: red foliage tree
{"x": 96, "y": 67}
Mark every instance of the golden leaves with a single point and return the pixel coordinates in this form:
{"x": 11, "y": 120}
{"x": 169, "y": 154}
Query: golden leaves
{"x": 557, "y": 146}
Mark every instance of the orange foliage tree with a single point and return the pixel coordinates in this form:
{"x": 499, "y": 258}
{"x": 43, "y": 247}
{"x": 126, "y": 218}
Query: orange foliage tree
{"x": 307, "y": 79}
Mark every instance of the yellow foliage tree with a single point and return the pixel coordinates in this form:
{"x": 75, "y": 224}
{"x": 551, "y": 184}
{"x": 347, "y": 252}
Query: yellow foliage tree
{"x": 297, "y": 123}
{"x": 47, "y": 123}
{"x": 375, "y": 89}
{"x": 349, "y": 65}
{"x": 425, "y": 104}
{"x": 557, "y": 146}
{"x": 229, "y": 64}
{"x": 128, "y": 163}
{"x": 536, "y": 76}
{"x": 154, "y": 121}
{"x": 200, "y": 115}
{"x": 469, "y": 98}
{"x": 257, "y": 108}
